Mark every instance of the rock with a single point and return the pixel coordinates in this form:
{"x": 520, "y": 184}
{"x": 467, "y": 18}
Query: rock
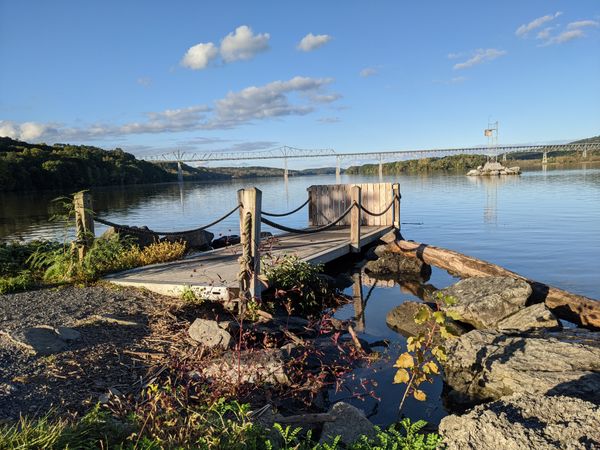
{"x": 210, "y": 334}
{"x": 521, "y": 422}
{"x": 198, "y": 239}
{"x": 68, "y": 334}
{"x": 398, "y": 265}
{"x": 42, "y": 340}
{"x": 254, "y": 367}
{"x": 141, "y": 236}
{"x": 484, "y": 365}
{"x": 349, "y": 423}
{"x": 401, "y": 319}
{"x": 485, "y": 301}
{"x": 225, "y": 241}
{"x": 532, "y": 317}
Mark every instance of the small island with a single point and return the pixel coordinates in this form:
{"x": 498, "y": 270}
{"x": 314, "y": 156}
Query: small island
{"x": 493, "y": 168}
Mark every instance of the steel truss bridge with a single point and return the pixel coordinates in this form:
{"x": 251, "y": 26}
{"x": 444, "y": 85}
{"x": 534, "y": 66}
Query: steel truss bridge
{"x": 286, "y": 153}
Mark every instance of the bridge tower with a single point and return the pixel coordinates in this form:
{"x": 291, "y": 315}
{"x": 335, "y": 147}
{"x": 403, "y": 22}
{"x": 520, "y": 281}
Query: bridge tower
{"x": 338, "y": 161}
{"x": 491, "y": 132}
{"x": 545, "y": 158}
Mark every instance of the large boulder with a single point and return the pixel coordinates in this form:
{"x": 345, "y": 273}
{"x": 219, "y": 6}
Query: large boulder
{"x": 485, "y": 301}
{"x": 520, "y": 422}
{"x": 399, "y": 266}
{"x": 210, "y": 333}
{"x": 530, "y": 318}
{"x": 198, "y": 240}
{"x": 486, "y": 365}
{"x": 349, "y": 423}
{"x": 142, "y": 236}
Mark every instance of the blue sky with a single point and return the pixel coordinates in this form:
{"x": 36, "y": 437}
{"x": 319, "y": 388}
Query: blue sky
{"x": 150, "y": 76}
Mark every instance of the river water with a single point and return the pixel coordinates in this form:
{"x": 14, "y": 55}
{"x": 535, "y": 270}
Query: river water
{"x": 543, "y": 224}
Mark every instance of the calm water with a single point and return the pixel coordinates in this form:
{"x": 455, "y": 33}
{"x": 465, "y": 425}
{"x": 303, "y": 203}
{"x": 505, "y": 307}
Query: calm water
{"x": 544, "y": 225}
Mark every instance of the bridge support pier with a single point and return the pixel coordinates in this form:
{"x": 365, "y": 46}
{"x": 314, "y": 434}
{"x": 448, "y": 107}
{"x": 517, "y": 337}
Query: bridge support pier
{"x": 380, "y": 168}
{"x": 584, "y": 153}
{"x": 338, "y": 170}
{"x": 179, "y": 172}
{"x": 545, "y": 158}
{"x": 285, "y": 169}
{"x": 503, "y": 156}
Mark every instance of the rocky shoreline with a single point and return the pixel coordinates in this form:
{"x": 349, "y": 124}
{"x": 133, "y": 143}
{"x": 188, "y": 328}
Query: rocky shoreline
{"x": 532, "y": 380}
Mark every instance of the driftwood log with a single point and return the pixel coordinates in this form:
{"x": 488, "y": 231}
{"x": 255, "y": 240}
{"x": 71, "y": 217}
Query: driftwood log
{"x": 575, "y": 308}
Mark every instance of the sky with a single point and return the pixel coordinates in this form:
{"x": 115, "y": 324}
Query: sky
{"x": 155, "y": 76}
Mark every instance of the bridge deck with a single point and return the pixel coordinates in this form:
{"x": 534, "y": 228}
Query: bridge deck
{"x": 213, "y": 275}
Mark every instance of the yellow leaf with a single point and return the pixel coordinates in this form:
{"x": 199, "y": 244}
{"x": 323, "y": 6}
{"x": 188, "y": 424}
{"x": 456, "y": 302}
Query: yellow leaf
{"x": 432, "y": 367}
{"x": 439, "y": 317}
{"x": 419, "y": 395}
{"x": 404, "y": 361}
{"x": 401, "y": 376}
{"x": 422, "y": 315}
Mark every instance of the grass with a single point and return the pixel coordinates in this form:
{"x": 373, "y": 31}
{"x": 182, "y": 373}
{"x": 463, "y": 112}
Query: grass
{"x": 27, "y": 265}
{"x": 221, "y": 425}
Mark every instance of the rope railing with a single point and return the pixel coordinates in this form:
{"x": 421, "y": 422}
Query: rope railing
{"x": 134, "y": 230}
{"x": 265, "y": 213}
{"x": 309, "y": 230}
{"x": 370, "y": 213}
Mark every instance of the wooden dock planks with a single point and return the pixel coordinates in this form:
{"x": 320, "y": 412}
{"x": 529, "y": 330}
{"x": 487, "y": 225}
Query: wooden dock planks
{"x": 213, "y": 275}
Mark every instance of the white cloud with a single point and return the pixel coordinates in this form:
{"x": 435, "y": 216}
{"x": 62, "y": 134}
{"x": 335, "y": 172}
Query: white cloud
{"x": 144, "y": 81}
{"x": 9, "y": 129}
{"x": 565, "y": 36}
{"x": 266, "y": 101}
{"x": 545, "y": 33}
{"x": 480, "y": 56}
{"x": 582, "y": 24}
{"x": 199, "y": 56}
{"x": 243, "y": 44}
{"x": 311, "y": 42}
{"x": 368, "y": 72}
{"x": 296, "y": 96}
{"x": 523, "y": 30}
{"x": 328, "y": 120}
{"x": 455, "y": 55}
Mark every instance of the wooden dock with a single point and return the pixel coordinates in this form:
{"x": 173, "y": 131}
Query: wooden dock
{"x": 213, "y": 275}
{"x": 342, "y": 220}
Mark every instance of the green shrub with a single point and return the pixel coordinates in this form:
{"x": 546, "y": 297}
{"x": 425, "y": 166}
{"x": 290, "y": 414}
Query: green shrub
{"x": 299, "y": 285}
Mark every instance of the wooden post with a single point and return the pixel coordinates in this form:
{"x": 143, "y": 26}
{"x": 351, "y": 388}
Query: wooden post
{"x": 84, "y": 221}
{"x": 358, "y": 300}
{"x": 355, "y": 220}
{"x": 251, "y": 201}
{"x": 396, "y": 207}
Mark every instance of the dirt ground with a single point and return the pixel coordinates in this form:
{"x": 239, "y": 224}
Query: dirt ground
{"x": 110, "y": 356}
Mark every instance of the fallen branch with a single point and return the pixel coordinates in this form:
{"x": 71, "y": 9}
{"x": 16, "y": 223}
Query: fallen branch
{"x": 566, "y": 305}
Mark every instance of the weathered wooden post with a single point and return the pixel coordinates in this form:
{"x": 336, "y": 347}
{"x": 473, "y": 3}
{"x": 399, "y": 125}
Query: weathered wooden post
{"x": 396, "y": 207}
{"x": 84, "y": 222}
{"x": 355, "y": 220}
{"x": 250, "y": 211}
{"x": 358, "y": 300}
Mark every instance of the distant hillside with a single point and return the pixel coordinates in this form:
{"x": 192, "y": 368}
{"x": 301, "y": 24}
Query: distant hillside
{"x": 25, "y": 166}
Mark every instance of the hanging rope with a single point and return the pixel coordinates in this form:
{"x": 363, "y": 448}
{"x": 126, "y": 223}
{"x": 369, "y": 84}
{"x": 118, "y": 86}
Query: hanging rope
{"x": 246, "y": 262}
{"x": 264, "y": 213}
{"x": 311, "y": 230}
{"x": 134, "y": 230}
{"x": 370, "y": 213}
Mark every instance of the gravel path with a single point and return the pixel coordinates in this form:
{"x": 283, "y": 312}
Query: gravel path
{"x": 74, "y": 379}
